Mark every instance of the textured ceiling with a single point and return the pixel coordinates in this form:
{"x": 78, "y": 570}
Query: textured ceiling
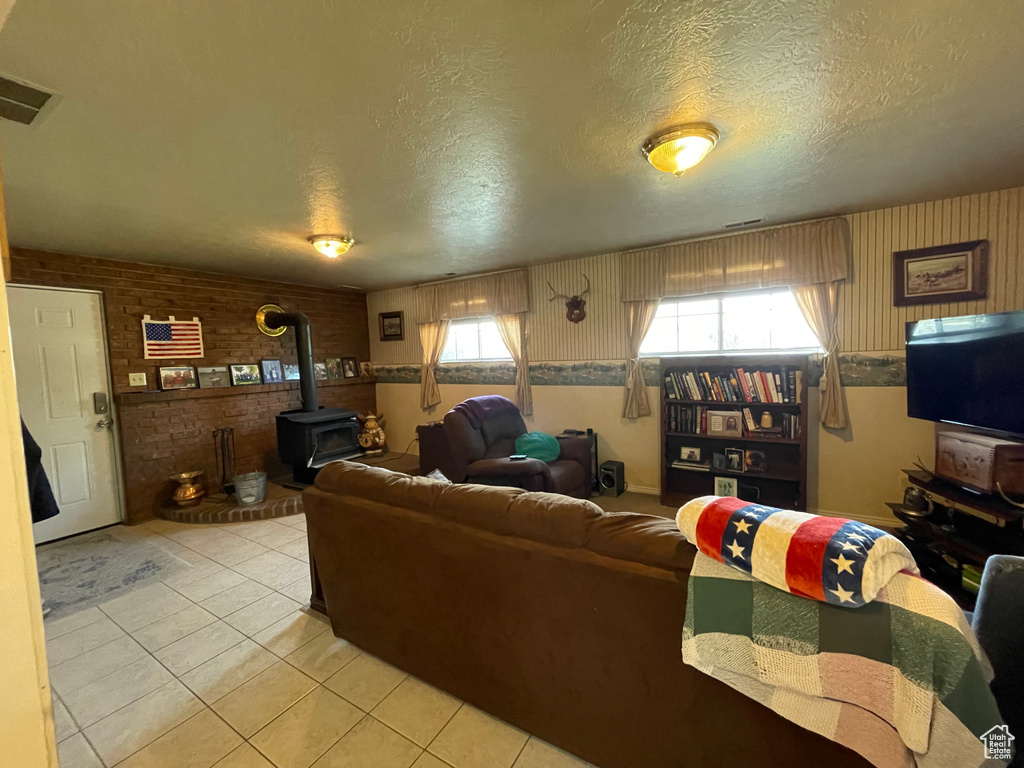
{"x": 463, "y": 136}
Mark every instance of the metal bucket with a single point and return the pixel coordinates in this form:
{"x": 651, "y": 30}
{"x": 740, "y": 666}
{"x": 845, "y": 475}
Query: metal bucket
{"x": 251, "y": 487}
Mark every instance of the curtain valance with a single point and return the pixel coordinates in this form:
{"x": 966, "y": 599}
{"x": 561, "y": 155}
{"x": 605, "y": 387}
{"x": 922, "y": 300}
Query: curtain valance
{"x": 801, "y": 254}
{"x": 499, "y": 293}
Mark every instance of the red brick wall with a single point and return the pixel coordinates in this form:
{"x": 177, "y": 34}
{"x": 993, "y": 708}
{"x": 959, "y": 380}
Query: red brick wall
{"x": 170, "y": 432}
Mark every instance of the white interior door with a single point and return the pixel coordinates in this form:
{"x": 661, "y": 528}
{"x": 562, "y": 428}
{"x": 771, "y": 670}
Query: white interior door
{"x": 60, "y": 363}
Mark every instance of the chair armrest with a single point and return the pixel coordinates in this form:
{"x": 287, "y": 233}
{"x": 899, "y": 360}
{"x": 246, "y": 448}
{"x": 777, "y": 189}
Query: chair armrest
{"x": 507, "y": 468}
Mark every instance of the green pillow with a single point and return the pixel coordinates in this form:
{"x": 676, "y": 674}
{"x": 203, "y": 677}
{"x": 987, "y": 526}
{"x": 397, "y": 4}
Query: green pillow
{"x": 538, "y": 445}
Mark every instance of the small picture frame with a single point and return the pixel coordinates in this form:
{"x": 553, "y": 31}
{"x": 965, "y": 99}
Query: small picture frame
{"x": 213, "y": 376}
{"x": 177, "y": 377}
{"x": 734, "y": 459}
{"x": 350, "y": 367}
{"x": 320, "y": 371}
{"x": 725, "y": 423}
{"x": 245, "y": 374}
{"x": 333, "y": 367}
{"x": 689, "y": 454}
{"x": 718, "y": 462}
{"x": 754, "y": 461}
{"x": 291, "y": 372}
{"x": 726, "y": 486}
{"x": 392, "y": 326}
{"x": 365, "y": 368}
{"x": 273, "y": 373}
{"x": 940, "y": 275}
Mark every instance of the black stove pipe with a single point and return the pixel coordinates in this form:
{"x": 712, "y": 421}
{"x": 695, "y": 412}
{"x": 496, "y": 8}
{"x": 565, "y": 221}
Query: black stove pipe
{"x": 304, "y": 342}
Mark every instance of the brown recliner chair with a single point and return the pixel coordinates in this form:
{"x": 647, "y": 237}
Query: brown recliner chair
{"x": 482, "y": 434}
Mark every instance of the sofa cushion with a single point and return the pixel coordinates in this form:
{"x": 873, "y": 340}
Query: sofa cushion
{"x": 379, "y": 484}
{"x": 547, "y": 517}
{"x": 641, "y": 538}
{"x": 551, "y": 518}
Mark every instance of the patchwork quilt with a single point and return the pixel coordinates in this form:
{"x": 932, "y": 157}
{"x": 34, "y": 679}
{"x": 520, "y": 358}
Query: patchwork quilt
{"x": 900, "y": 680}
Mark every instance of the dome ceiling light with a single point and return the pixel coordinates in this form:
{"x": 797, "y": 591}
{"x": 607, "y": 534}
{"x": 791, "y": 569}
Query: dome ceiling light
{"x": 681, "y": 147}
{"x": 331, "y": 246}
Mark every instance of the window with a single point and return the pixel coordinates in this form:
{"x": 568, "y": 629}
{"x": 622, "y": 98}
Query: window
{"x": 741, "y": 322}
{"x": 475, "y": 339}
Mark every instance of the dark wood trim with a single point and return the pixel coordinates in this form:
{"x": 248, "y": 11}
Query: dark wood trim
{"x": 979, "y": 273}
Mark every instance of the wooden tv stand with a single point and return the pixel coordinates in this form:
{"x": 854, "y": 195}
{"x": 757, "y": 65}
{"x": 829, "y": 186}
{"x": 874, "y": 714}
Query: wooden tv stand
{"x": 965, "y": 528}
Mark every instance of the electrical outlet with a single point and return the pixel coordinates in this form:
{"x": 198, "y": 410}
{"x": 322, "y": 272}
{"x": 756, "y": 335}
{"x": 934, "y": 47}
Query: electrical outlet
{"x": 136, "y": 379}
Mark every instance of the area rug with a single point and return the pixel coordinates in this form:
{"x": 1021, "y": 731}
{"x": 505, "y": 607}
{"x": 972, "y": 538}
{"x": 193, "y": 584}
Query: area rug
{"x": 96, "y": 567}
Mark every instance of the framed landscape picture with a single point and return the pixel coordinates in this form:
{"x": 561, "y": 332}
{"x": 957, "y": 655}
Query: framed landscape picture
{"x": 392, "y": 326}
{"x": 941, "y": 274}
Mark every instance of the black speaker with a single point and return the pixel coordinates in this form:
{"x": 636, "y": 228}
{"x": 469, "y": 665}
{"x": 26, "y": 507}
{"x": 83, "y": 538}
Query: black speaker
{"x": 613, "y": 478}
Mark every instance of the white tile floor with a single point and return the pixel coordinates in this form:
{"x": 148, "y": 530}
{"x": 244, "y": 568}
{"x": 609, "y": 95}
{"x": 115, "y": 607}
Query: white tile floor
{"x": 226, "y": 667}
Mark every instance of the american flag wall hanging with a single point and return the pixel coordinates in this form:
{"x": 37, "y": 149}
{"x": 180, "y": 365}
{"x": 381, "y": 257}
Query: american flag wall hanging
{"x": 169, "y": 338}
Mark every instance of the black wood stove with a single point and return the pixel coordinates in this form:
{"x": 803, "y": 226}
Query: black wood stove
{"x": 311, "y": 437}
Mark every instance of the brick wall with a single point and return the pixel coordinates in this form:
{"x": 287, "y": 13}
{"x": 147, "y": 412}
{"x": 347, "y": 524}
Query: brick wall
{"x": 169, "y": 432}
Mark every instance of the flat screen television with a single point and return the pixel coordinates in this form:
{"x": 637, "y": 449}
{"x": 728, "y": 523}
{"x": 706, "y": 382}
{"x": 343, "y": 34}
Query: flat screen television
{"x": 968, "y": 370}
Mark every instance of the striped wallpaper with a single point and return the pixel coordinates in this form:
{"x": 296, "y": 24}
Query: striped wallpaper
{"x": 868, "y": 321}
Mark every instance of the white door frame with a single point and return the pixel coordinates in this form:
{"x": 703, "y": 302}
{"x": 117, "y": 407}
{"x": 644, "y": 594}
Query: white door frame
{"x": 115, "y": 428}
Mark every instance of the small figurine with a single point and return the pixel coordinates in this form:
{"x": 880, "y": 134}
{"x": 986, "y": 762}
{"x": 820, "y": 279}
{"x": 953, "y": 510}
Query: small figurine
{"x": 372, "y": 438}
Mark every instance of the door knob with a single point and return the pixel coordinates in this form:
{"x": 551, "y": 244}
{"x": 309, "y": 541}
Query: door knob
{"x": 104, "y": 423}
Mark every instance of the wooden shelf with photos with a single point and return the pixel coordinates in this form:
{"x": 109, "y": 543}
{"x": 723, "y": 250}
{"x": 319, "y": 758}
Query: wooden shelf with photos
{"x": 735, "y": 425}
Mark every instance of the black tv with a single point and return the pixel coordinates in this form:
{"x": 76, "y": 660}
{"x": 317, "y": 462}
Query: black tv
{"x": 968, "y": 370}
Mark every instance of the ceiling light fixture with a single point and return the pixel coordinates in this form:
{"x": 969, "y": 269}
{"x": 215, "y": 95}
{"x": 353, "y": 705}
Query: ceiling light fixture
{"x": 679, "y": 148}
{"x": 331, "y": 246}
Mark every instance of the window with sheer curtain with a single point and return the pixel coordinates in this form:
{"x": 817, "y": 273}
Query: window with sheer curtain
{"x": 757, "y": 321}
{"x": 474, "y": 339}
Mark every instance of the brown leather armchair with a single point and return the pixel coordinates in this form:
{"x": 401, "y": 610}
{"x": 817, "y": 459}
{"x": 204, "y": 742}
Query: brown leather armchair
{"x": 482, "y": 433}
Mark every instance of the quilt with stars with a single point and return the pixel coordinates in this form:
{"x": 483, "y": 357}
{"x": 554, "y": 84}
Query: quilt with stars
{"x": 901, "y": 680}
{"x": 831, "y": 559}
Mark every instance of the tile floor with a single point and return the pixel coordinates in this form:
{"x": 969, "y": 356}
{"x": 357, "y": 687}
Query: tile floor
{"x": 224, "y": 666}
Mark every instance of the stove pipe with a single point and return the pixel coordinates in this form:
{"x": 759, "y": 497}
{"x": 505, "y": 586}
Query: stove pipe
{"x": 304, "y": 342}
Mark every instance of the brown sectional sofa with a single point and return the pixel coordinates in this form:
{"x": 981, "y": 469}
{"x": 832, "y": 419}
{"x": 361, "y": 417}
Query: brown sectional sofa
{"x": 543, "y": 610}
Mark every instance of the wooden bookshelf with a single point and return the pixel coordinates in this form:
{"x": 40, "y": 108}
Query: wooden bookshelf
{"x": 783, "y": 481}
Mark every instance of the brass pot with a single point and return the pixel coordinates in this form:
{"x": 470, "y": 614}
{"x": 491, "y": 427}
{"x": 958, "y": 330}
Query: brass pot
{"x": 188, "y": 493}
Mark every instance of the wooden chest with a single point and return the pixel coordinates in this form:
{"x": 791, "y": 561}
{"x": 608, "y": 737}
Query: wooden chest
{"x": 980, "y": 462}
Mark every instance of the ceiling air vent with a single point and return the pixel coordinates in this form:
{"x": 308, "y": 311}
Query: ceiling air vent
{"x": 19, "y": 102}
{"x": 747, "y": 223}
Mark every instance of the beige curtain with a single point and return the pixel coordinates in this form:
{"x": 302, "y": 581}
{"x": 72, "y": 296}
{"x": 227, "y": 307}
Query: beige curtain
{"x": 513, "y": 332}
{"x": 433, "y": 337}
{"x": 639, "y": 316}
{"x": 820, "y": 306}
{"x": 800, "y": 254}
{"x": 498, "y": 293}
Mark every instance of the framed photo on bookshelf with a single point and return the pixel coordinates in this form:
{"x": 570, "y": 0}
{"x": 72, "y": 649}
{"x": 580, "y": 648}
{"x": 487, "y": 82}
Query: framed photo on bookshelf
{"x": 726, "y": 486}
{"x": 689, "y": 453}
{"x": 754, "y": 461}
{"x": 725, "y": 423}
{"x": 734, "y": 459}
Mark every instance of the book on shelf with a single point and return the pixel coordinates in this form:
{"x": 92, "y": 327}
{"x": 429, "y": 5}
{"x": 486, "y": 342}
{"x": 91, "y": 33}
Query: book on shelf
{"x": 779, "y": 385}
{"x": 690, "y": 466}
